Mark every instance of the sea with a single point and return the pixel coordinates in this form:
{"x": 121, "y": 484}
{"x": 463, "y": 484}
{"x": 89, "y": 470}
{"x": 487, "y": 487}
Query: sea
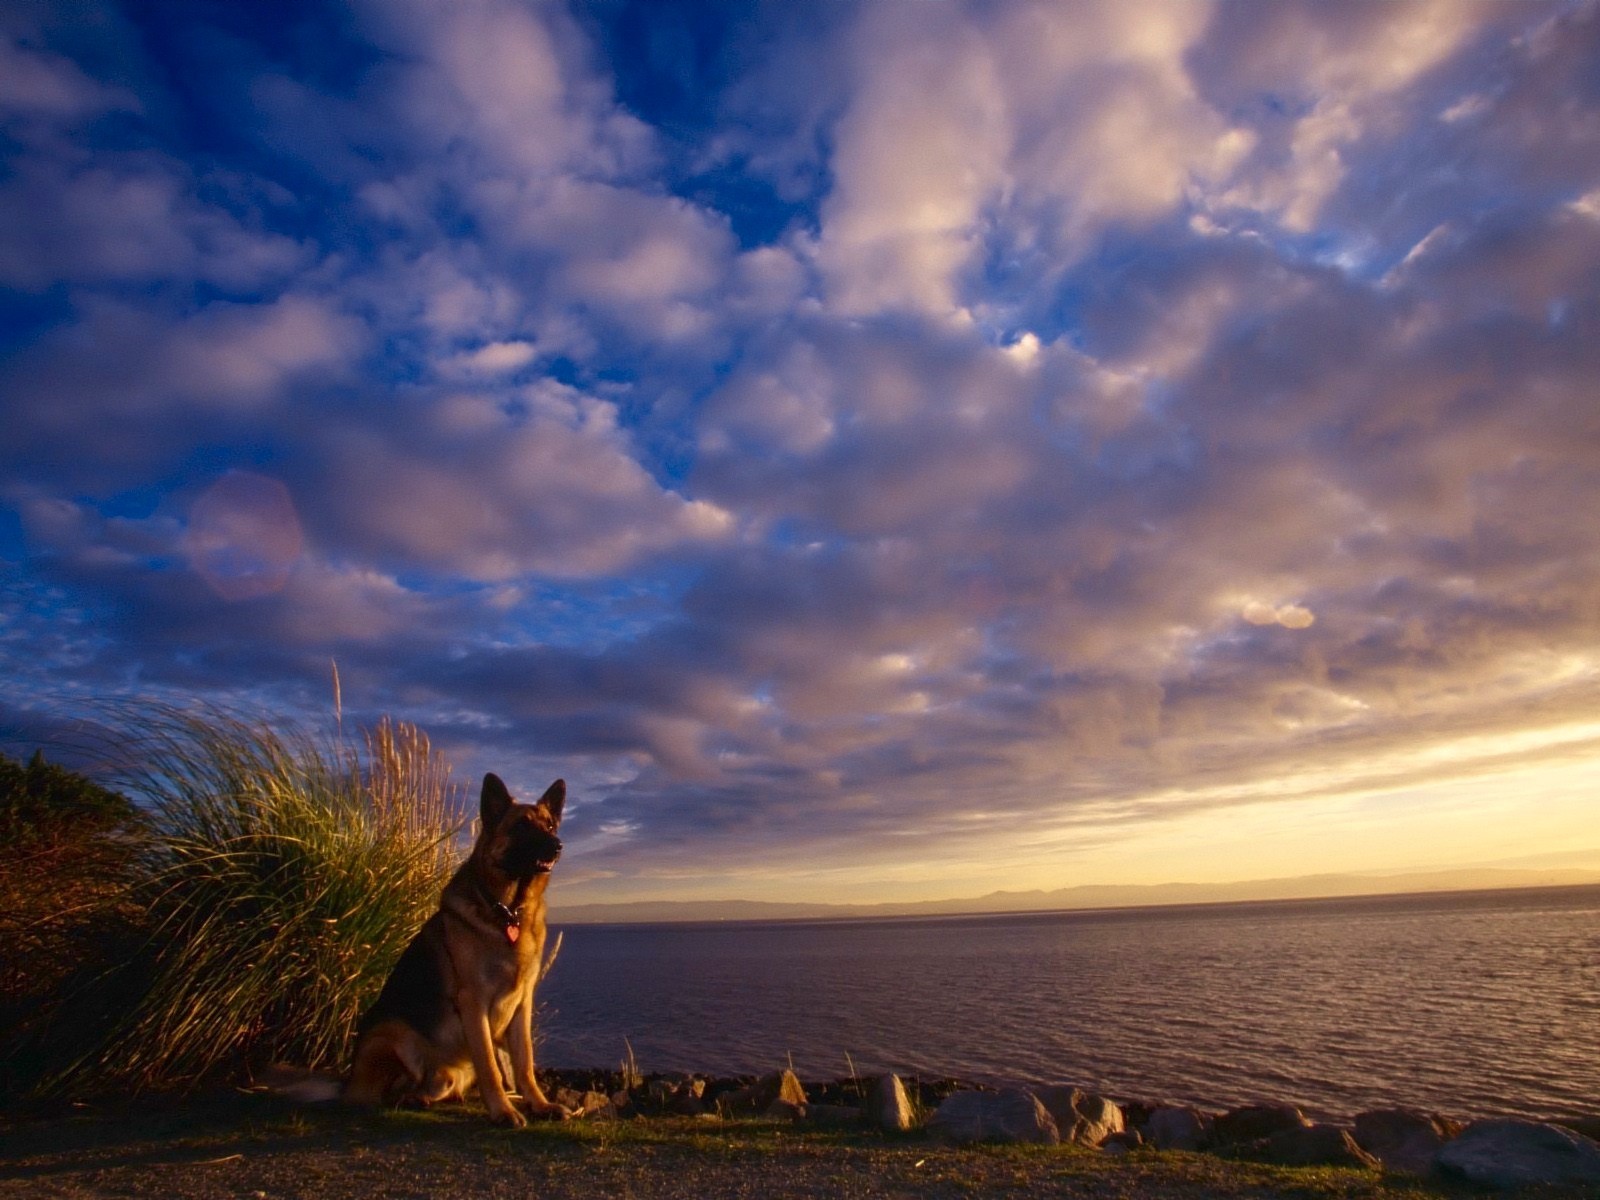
{"x": 1467, "y": 1004}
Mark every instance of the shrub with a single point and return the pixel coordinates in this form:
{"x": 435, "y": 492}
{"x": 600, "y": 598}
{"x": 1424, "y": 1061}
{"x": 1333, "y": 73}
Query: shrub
{"x": 283, "y": 876}
{"x": 43, "y": 805}
{"x": 69, "y": 859}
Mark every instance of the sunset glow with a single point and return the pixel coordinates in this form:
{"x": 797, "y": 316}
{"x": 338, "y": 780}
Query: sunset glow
{"x": 886, "y": 451}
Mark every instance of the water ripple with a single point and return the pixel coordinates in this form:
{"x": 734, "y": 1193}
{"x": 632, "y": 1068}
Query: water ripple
{"x": 1473, "y": 1005}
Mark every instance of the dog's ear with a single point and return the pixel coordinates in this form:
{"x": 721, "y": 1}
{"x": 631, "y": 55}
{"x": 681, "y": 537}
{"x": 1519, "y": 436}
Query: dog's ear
{"x": 555, "y": 798}
{"x": 495, "y": 802}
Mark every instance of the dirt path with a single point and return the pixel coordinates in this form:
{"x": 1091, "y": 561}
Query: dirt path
{"x": 258, "y": 1149}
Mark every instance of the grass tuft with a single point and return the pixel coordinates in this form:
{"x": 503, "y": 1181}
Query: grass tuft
{"x": 284, "y": 876}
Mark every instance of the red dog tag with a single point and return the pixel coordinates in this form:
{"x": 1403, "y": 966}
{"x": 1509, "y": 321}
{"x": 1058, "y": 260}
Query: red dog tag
{"x": 512, "y": 932}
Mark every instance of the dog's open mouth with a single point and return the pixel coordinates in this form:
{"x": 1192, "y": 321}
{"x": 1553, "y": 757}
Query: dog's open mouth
{"x": 526, "y": 863}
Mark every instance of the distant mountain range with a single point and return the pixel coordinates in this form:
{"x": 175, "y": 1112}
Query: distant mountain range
{"x": 1303, "y": 887}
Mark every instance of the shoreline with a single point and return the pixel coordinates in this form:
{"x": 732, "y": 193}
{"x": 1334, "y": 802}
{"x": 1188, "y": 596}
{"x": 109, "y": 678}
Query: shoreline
{"x": 240, "y": 1143}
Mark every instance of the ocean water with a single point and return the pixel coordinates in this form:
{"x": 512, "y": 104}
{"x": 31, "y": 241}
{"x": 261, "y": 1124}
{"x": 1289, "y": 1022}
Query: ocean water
{"x": 1467, "y": 1004}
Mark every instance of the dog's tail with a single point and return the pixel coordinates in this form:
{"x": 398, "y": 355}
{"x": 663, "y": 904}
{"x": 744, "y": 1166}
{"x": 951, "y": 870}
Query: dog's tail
{"x": 298, "y": 1084}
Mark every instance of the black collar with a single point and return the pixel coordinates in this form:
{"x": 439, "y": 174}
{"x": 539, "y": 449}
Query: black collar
{"x": 510, "y": 915}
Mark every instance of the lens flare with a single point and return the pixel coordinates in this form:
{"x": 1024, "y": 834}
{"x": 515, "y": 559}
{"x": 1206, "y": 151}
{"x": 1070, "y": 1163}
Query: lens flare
{"x": 244, "y": 536}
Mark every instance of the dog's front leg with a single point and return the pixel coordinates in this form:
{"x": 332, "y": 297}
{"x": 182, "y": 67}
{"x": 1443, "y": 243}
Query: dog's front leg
{"x": 533, "y": 1095}
{"x": 480, "y": 1044}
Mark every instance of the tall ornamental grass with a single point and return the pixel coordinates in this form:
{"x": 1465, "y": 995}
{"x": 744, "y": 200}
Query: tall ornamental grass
{"x": 284, "y": 876}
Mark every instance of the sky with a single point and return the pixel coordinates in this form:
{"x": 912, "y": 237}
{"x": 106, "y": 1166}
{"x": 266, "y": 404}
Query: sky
{"x": 881, "y": 451}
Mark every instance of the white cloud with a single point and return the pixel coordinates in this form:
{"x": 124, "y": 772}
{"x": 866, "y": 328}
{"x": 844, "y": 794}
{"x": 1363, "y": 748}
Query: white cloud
{"x": 920, "y": 150}
{"x": 1338, "y": 70}
{"x": 136, "y": 220}
{"x": 1290, "y": 616}
{"x": 1026, "y": 129}
{"x": 235, "y": 356}
{"x": 35, "y": 83}
{"x": 495, "y": 495}
{"x": 489, "y": 360}
{"x": 1000, "y": 476}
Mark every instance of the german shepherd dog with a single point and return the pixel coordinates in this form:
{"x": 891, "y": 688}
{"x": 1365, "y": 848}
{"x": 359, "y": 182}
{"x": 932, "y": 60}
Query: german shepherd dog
{"x": 464, "y": 986}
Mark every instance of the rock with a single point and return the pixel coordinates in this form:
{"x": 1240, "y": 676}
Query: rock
{"x": 1098, "y": 1119}
{"x": 1010, "y": 1115}
{"x": 888, "y": 1107}
{"x": 1083, "y": 1119}
{"x": 1403, "y": 1141}
{"x": 718, "y": 1090}
{"x": 1059, "y": 1100}
{"x": 1136, "y": 1112}
{"x": 831, "y": 1116}
{"x": 1588, "y": 1126}
{"x": 668, "y": 1090}
{"x": 684, "y": 1104}
{"x": 597, "y": 1105}
{"x": 1307, "y": 1146}
{"x": 1121, "y": 1143}
{"x": 1254, "y": 1122}
{"x": 760, "y": 1097}
{"x": 1173, "y": 1127}
{"x": 1512, "y": 1153}
{"x": 677, "y": 1094}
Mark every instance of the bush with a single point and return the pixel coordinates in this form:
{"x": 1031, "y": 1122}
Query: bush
{"x": 282, "y": 877}
{"x": 43, "y": 806}
{"x": 69, "y": 862}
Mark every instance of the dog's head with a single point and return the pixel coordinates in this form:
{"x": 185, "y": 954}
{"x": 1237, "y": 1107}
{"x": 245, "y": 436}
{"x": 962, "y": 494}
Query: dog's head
{"x": 519, "y": 840}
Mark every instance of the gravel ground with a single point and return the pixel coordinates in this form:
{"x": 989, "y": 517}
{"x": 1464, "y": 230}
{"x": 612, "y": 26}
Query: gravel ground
{"x": 239, "y": 1146}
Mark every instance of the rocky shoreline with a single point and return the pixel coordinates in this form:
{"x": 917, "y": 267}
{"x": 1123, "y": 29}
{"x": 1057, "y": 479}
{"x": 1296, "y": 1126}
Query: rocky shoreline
{"x": 1496, "y": 1153}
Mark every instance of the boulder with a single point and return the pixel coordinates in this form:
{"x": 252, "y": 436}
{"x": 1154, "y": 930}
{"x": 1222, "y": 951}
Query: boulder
{"x": 888, "y": 1107}
{"x": 676, "y": 1094}
{"x": 585, "y": 1103}
{"x": 1121, "y": 1143}
{"x": 1136, "y": 1112}
{"x": 1082, "y": 1118}
{"x": 1010, "y": 1115}
{"x": 1511, "y": 1153}
{"x": 1098, "y": 1119}
{"x": 778, "y": 1095}
{"x": 1588, "y": 1126}
{"x": 1174, "y": 1127}
{"x": 597, "y": 1104}
{"x": 1307, "y": 1146}
{"x": 685, "y": 1104}
{"x": 1403, "y": 1141}
{"x": 1254, "y": 1122}
{"x": 660, "y": 1091}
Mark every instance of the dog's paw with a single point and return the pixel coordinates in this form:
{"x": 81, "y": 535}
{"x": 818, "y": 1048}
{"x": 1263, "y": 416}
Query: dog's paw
{"x": 507, "y": 1116}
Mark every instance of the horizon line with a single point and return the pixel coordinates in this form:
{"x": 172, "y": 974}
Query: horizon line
{"x": 823, "y": 911}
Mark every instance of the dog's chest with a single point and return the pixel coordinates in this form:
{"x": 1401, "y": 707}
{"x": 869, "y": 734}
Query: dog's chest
{"x": 507, "y": 972}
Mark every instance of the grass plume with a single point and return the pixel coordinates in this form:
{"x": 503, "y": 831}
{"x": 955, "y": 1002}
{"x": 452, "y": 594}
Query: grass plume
{"x": 285, "y": 874}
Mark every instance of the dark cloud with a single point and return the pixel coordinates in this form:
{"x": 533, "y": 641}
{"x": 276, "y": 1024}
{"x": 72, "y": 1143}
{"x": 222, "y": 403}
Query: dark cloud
{"x": 826, "y": 439}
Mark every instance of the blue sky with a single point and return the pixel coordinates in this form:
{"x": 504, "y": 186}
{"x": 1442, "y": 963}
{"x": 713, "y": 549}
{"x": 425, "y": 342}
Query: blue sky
{"x": 873, "y": 451}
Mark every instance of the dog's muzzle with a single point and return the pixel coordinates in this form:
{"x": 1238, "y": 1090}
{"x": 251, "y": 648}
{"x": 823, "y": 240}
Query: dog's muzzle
{"x": 543, "y": 863}
{"x": 535, "y": 856}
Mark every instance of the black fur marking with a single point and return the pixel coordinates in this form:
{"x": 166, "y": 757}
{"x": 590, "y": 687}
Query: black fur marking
{"x": 412, "y": 993}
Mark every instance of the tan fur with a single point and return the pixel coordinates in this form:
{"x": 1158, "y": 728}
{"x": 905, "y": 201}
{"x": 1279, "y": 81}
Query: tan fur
{"x": 462, "y": 967}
